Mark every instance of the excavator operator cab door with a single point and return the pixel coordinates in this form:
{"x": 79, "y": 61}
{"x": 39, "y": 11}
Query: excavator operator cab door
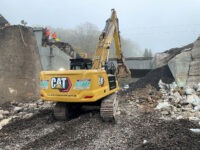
{"x": 80, "y": 63}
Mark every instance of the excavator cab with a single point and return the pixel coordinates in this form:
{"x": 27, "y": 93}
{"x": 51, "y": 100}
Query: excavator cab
{"x": 80, "y": 63}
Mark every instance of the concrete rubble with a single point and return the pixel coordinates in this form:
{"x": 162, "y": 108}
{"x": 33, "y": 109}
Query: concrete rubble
{"x": 21, "y": 110}
{"x": 179, "y": 103}
{"x": 179, "y": 66}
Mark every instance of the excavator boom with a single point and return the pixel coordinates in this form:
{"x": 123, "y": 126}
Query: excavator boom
{"x": 110, "y": 32}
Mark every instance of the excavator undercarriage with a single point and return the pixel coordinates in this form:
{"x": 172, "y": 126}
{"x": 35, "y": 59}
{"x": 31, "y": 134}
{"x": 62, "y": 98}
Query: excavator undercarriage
{"x": 108, "y": 109}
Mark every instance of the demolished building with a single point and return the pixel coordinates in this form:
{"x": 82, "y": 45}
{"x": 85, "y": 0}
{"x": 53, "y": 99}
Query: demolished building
{"x": 184, "y": 63}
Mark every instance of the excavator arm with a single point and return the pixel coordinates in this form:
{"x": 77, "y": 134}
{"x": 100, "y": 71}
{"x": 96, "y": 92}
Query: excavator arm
{"x": 110, "y": 32}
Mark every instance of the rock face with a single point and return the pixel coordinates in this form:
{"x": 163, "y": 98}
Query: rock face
{"x": 179, "y": 66}
{"x": 19, "y": 64}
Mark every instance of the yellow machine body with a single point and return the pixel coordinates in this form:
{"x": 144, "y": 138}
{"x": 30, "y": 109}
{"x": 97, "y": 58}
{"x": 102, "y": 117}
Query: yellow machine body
{"x": 76, "y": 86}
{"x": 88, "y": 80}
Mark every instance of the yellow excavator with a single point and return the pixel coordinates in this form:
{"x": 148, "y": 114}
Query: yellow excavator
{"x": 88, "y": 82}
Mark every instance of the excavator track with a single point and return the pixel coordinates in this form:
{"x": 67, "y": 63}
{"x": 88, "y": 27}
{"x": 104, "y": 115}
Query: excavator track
{"x": 61, "y": 111}
{"x": 109, "y": 107}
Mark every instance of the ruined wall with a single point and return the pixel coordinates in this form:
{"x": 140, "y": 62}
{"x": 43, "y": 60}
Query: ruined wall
{"x": 19, "y": 64}
{"x": 194, "y": 72}
{"x": 184, "y": 63}
{"x": 162, "y": 59}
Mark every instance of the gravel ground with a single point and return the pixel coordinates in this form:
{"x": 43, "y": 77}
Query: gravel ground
{"x": 135, "y": 128}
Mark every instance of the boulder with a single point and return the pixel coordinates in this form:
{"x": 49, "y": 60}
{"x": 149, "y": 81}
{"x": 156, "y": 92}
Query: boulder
{"x": 4, "y": 122}
{"x": 193, "y": 99}
{"x": 195, "y": 130}
{"x": 177, "y": 95}
{"x": 1, "y": 116}
{"x": 197, "y": 108}
{"x": 4, "y": 112}
{"x": 163, "y": 105}
{"x": 189, "y": 91}
{"x": 198, "y": 88}
{"x": 165, "y": 112}
{"x": 17, "y": 109}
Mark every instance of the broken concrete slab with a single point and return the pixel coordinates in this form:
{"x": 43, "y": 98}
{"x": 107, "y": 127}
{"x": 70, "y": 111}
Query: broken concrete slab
{"x": 189, "y": 91}
{"x": 179, "y": 66}
{"x": 162, "y": 59}
{"x": 163, "y": 105}
{"x": 193, "y": 99}
{"x": 159, "y": 60}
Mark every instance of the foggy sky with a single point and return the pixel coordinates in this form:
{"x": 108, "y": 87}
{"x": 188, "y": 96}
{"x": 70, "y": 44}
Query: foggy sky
{"x": 155, "y": 24}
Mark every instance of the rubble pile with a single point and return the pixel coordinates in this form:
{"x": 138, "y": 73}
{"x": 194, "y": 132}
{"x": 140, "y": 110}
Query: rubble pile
{"x": 16, "y": 110}
{"x": 179, "y": 103}
{"x": 145, "y": 97}
{"x": 153, "y": 78}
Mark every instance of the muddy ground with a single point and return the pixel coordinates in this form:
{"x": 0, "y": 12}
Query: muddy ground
{"x": 135, "y": 128}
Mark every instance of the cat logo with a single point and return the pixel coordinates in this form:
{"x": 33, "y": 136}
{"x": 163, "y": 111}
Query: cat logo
{"x": 62, "y": 84}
